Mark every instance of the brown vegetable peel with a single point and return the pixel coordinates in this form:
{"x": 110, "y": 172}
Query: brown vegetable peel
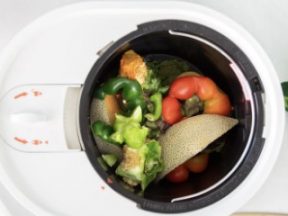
{"x": 133, "y": 66}
{"x": 187, "y": 138}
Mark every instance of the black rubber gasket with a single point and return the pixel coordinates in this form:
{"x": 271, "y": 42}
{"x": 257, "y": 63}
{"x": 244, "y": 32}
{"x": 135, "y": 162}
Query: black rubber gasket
{"x": 249, "y": 72}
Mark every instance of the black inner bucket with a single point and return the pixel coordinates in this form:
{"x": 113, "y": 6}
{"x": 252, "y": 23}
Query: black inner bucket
{"x": 203, "y": 188}
{"x": 210, "y": 63}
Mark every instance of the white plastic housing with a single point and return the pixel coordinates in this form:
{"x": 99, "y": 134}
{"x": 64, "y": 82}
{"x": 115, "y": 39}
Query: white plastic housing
{"x": 59, "y": 49}
{"x": 40, "y": 118}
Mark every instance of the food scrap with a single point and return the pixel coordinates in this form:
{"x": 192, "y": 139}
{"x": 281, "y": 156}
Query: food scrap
{"x": 156, "y": 118}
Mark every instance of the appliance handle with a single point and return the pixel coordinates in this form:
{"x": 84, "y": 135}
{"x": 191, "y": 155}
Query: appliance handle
{"x": 71, "y": 118}
{"x": 41, "y": 118}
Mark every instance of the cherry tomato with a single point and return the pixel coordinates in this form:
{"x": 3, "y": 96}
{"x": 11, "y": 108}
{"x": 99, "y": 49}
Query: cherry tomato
{"x": 171, "y": 110}
{"x": 178, "y": 175}
{"x": 198, "y": 163}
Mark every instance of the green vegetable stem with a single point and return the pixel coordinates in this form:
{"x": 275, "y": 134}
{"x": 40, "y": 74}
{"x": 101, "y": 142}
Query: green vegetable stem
{"x": 192, "y": 106}
{"x": 156, "y": 99}
{"x": 131, "y": 91}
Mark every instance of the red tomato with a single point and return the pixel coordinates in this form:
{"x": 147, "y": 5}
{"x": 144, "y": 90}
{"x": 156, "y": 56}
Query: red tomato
{"x": 220, "y": 105}
{"x": 183, "y": 87}
{"x": 215, "y": 101}
{"x": 171, "y": 110}
{"x": 198, "y": 163}
{"x": 178, "y": 175}
{"x": 206, "y": 88}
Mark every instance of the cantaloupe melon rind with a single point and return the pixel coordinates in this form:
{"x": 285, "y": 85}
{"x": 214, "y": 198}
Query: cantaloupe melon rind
{"x": 103, "y": 111}
{"x": 187, "y": 138}
{"x": 189, "y": 73}
{"x": 98, "y": 111}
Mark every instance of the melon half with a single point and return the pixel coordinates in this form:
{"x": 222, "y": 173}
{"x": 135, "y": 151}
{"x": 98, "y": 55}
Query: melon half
{"x": 189, "y": 137}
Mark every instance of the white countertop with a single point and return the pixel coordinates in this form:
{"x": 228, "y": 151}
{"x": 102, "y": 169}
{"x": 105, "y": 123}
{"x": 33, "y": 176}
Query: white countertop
{"x": 266, "y": 20}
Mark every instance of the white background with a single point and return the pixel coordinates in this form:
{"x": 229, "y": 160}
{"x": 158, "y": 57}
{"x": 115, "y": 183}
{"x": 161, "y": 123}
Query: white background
{"x": 266, "y": 20}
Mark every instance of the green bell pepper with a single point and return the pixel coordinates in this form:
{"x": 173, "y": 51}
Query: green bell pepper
{"x": 129, "y": 130}
{"x": 110, "y": 159}
{"x": 141, "y": 166}
{"x": 133, "y": 164}
{"x": 102, "y": 130}
{"x": 156, "y": 99}
{"x": 153, "y": 163}
{"x": 131, "y": 91}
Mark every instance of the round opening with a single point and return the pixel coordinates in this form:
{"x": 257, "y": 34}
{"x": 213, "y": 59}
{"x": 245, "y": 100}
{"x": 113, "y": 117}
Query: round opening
{"x": 215, "y": 56}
